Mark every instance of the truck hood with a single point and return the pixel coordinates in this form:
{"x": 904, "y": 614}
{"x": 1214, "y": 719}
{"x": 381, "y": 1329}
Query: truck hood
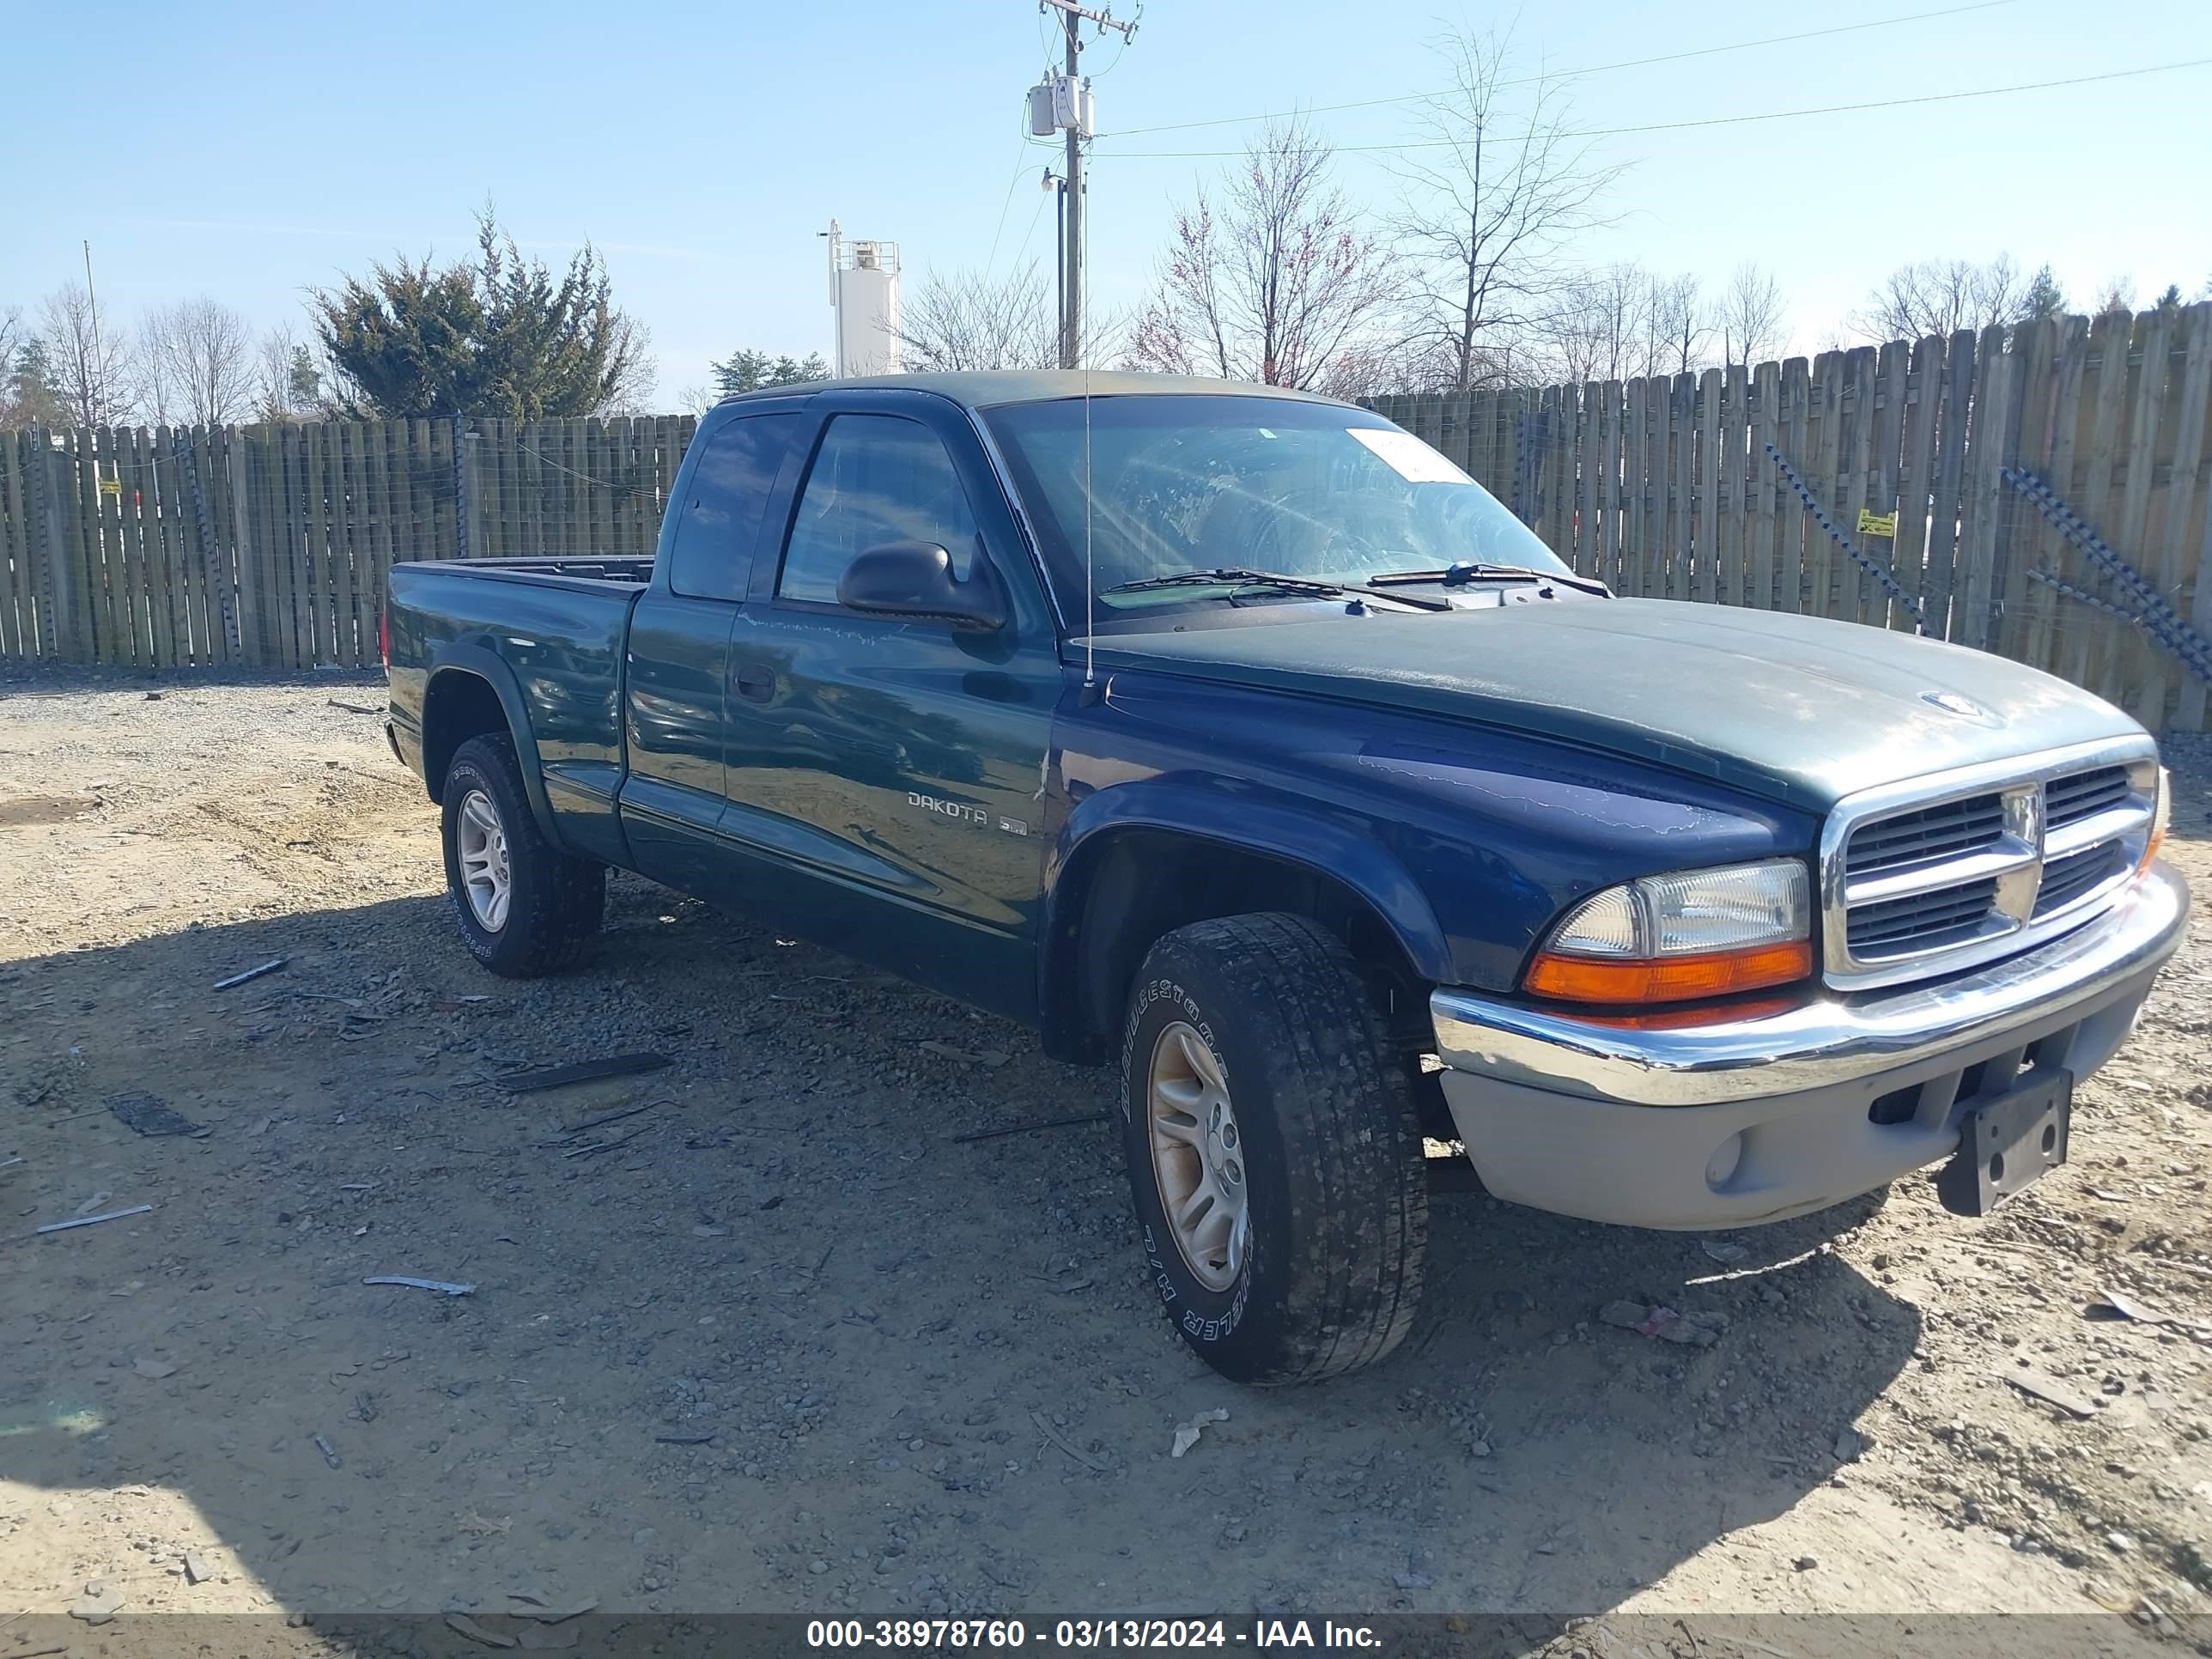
{"x": 1798, "y": 710}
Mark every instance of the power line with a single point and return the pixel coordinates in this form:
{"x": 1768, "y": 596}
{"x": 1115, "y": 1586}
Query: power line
{"x": 1563, "y": 74}
{"x": 1710, "y": 121}
{"x": 1020, "y": 168}
{"x": 1136, "y": 18}
{"x": 1042, "y": 199}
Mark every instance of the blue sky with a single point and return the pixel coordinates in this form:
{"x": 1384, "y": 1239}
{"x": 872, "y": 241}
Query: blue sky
{"x": 251, "y": 151}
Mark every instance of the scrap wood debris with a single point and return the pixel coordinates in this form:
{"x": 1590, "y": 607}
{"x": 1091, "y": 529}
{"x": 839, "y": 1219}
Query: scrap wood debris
{"x": 269, "y": 967}
{"x": 583, "y": 1071}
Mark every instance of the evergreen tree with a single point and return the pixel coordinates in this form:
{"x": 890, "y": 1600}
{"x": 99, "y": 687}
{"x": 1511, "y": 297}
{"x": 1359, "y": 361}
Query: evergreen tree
{"x": 303, "y": 379}
{"x": 502, "y": 336}
{"x": 27, "y": 396}
{"x": 749, "y": 371}
{"x": 2043, "y": 297}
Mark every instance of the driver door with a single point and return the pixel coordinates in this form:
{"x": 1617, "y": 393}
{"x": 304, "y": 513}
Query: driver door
{"x": 893, "y": 768}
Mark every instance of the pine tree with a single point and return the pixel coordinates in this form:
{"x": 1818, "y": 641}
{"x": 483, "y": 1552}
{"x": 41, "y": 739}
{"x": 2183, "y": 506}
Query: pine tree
{"x": 2043, "y": 297}
{"x": 27, "y": 397}
{"x": 749, "y": 371}
{"x": 502, "y": 336}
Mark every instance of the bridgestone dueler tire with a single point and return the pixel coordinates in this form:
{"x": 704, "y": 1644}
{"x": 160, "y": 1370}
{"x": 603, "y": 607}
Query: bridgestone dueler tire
{"x": 557, "y": 900}
{"x": 1338, "y": 1191}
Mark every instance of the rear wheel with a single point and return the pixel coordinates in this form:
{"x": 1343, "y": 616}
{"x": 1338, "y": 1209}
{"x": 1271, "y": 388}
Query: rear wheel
{"x": 524, "y": 907}
{"x": 1274, "y": 1152}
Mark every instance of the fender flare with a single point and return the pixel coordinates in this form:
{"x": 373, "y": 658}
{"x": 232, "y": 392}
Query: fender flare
{"x": 1281, "y": 828}
{"x": 487, "y": 665}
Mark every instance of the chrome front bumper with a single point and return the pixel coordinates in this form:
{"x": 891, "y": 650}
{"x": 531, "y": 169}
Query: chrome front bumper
{"x": 1835, "y": 1039}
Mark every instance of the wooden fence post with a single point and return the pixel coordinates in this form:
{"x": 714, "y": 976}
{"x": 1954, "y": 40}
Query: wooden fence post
{"x": 72, "y": 620}
{"x": 463, "y": 493}
{"x": 211, "y": 557}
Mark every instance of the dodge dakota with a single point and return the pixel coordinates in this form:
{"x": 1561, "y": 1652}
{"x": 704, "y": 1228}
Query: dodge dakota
{"x": 1237, "y": 737}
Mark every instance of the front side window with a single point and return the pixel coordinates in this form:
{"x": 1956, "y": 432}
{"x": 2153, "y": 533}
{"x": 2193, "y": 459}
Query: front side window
{"x": 876, "y": 478}
{"x": 712, "y": 557}
{"x": 1155, "y": 485}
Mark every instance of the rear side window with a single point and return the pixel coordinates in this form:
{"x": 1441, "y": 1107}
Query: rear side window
{"x": 876, "y": 478}
{"x": 728, "y": 492}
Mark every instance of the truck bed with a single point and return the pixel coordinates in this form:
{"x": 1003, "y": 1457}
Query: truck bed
{"x": 546, "y": 635}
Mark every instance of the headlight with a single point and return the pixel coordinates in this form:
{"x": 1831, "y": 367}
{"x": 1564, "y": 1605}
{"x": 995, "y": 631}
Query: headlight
{"x": 1670, "y": 938}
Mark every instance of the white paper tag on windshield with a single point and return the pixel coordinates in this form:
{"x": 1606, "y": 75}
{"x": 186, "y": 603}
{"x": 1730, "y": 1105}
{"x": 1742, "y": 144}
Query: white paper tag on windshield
{"x": 1409, "y": 457}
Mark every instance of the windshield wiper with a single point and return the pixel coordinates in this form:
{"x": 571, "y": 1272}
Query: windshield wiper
{"x": 1231, "y": 578}
{"x": 1459, "y": 575}
{"x": 1237, "y": 578}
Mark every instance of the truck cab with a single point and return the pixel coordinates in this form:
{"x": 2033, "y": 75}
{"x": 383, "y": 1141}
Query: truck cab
{"x": 1236, "y": 739}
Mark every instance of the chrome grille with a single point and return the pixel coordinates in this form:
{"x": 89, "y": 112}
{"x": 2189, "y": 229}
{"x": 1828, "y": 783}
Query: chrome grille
{"x": 1934, "y": 875}
{"x": 2070, "y": 879}
{"x": 1933, "y": 832}
{"x": 1919, "y": 921}
{"x": 2068, "y": 800}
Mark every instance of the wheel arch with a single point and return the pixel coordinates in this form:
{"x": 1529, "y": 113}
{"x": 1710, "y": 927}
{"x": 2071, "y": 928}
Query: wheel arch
{"x": 1130, "y": 874}
{"x": 470, "y": 693}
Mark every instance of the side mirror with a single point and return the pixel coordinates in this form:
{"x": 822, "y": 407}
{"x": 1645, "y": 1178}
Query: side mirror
{"x": 914, "y": 579}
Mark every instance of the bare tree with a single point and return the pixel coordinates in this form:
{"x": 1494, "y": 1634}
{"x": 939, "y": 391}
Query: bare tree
{"x": 1680, "y": 324}
{"x": 1279, "y": 285}
{"x": 1490, "y": 204}
{"x": 2118, "y": 294}
{"x": 967, "y": 319}
{"x": 1940, "y": 296}
{"x": 1387, "y": 364}
{"x": 633, "y": 373}
{"x": 1751, "y": 316}
{"x": 88, "y": 361}
{"x": 198, "y": 362}
{"x": 1593, "y": 326}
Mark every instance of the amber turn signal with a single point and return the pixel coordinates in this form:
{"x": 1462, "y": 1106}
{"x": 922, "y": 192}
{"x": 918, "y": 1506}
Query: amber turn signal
{"x": 1668, "y": 979}
{"x": 2161, "y": 816}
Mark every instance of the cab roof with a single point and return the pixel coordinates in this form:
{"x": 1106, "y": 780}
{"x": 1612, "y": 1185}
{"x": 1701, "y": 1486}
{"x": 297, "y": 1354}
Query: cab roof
{"x": 989, "y": 389}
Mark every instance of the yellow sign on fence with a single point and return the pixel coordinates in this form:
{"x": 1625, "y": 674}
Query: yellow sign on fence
{"x": 1877, "y": 524}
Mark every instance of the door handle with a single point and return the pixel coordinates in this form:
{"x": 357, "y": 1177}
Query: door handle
{"x": 755, "y": 682}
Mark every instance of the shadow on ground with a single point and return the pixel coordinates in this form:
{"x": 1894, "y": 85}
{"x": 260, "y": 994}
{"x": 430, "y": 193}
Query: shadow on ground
{"x": 777, "y": 1341}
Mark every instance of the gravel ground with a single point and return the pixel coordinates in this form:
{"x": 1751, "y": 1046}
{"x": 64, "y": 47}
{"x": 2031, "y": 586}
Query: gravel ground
{"x": 781, "y": 1340}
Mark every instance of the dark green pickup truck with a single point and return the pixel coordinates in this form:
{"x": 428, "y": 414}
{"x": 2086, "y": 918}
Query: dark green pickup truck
{"x": 1237, "y": 737}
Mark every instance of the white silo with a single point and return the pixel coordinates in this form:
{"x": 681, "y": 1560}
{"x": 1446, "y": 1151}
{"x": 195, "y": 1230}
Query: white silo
{"x": 864, "y": 293}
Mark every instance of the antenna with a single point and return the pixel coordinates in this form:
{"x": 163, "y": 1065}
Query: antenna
{"x": 1090, "y": 582}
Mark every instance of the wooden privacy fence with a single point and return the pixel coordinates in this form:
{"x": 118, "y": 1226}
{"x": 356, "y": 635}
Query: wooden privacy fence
{"x": 1669, "y": 488}
{"x": 267, "y": 545}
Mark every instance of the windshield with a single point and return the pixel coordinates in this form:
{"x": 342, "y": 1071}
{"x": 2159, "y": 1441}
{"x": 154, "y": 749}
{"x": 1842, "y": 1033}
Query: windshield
{"x": 1194, "y": 483}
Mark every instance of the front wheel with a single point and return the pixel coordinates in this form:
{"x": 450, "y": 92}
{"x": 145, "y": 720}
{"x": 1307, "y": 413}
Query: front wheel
{"x": 524, "y": 907}
{"x": 1274, "y": 1152}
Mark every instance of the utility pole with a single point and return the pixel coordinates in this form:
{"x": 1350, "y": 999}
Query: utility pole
{"x": 99, "y": 366}
{"x": 1071, "y": 304}
{"x": 1059, "y": 257}
{"x": 92, "y": 299}
{"x": 1077, "y": 122}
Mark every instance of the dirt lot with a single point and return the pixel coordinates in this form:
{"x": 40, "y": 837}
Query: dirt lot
{"x": 781, "y": 1340}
